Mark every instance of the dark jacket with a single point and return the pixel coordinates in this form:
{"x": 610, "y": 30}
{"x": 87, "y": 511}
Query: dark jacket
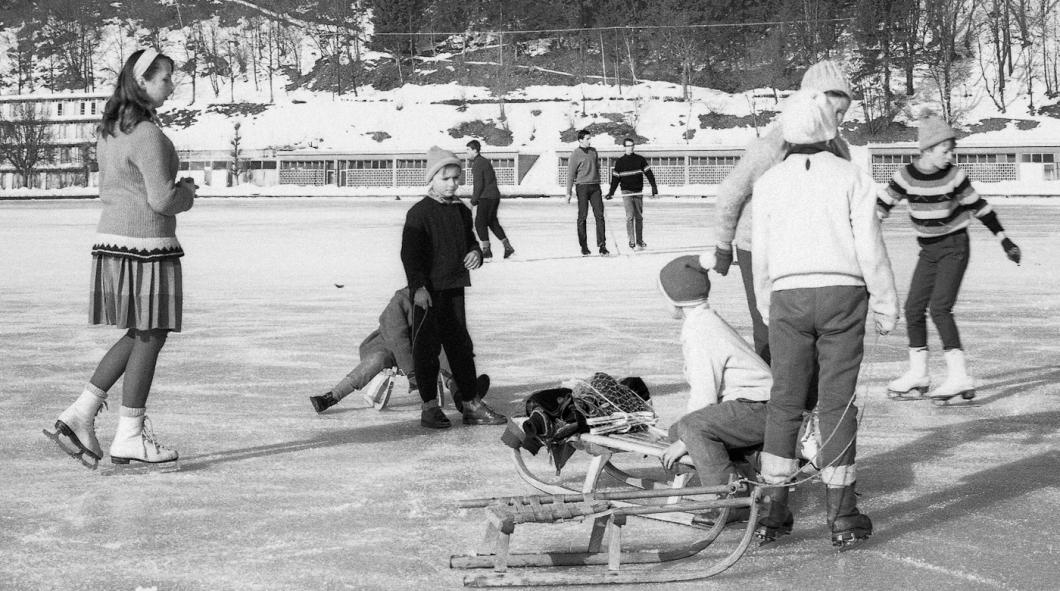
{"x": 629, "y": 172}
{"x": 436, "y": 238}
{"x": 484, "y": 180}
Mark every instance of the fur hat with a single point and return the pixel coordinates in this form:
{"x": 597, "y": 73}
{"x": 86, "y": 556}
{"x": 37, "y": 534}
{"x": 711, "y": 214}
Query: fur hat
{"x": 826, "y": 76}
{"x": 438, "y": 159}
{"x": 684, "y": 282}
{"x": 933, "y": 131}
{"x": 808, "y": 118}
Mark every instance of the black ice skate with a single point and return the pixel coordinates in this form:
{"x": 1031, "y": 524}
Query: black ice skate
{"x": 604, "y": 252}
{"x": 482, "y": 384}
{"x": 778, "y": 520}
{"x": 849, "y": 526}
{"x": 70, "y": 445}
{"x": 323, "y": 402}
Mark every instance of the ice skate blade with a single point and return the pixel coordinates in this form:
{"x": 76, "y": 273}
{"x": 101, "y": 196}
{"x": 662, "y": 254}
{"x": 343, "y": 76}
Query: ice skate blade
{"x": 78, "y": 454}
{"x": 960, "y": 399}
{"x": 918, "y": 393}
{"x": 848, "y": 541}
{"x": 126, "y": 467}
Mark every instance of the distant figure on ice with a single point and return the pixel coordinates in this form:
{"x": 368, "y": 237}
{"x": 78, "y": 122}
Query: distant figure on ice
{"x": 438, "y": 248}
{"x": 629, "y": 172}
{"x": 389, "y": 346}
{"x": 733, "y": 222}
{"x": 729, "y": 383}
{"x": 136, "y": 273}
{"x": 486, "y": 198}
{"x": 941, "y": 204}
{"x": 583, "y": 172}
{"x": 814, "y": 289}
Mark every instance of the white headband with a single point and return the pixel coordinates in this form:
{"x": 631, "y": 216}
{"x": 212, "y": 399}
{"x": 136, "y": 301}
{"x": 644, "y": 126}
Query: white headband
{"x": 144, "y": 62}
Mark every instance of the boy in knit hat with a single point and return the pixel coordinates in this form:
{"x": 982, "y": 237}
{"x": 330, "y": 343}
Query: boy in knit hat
{"x": 814, "y": 290}
{"x": 438, "y": 249}
{"x": 729, "y": 383}
{"x": 941, "y": 205}
{"x": 733, "y": 222}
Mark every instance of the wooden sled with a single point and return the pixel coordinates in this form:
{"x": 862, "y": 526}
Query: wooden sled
{"x": 503, "y": 514}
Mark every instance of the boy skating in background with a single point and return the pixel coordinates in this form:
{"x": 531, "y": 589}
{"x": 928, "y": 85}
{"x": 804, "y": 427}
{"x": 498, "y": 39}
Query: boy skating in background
{"x": 389, "y": 346}
{"x": 583, "y": 177}
{"x": 729, "y": 383}
{"x": 438, "y": 250}
{"x": 629, "y": 172}
{"x": 941, "y": 204}
{"x": 486, "y": 198}
{"x": 819, "y": 265}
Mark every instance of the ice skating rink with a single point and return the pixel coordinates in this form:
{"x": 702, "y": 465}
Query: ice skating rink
{"x": 273, "y": 496}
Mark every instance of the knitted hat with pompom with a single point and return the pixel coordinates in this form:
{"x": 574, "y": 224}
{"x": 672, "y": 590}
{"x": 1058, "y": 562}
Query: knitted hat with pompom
{"x": 684, "y": 281}
{"x": 932, "y": 132}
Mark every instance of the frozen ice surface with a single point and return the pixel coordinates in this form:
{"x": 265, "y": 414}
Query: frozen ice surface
{"x": 272, "y": 496}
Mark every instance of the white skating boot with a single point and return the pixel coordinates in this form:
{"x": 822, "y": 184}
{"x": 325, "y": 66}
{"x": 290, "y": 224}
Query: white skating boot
{"x": 75, "y": 429}
{"x": 913, "y": 383}
{"x": 958, "y": 382}
{"x": 134, "y": 441}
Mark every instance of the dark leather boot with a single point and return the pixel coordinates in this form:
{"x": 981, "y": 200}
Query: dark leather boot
{"x": 323, "y": 402}
{"x": 477, "y": 413}
{"x": 778, "y": 519}
{"x": 487, "y": 253}
{"x": 508, "y": 250}
{"x": 849, "y": 526}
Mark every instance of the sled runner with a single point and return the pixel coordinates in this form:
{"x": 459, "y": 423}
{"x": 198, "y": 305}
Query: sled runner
{"x": 609, "y": 510}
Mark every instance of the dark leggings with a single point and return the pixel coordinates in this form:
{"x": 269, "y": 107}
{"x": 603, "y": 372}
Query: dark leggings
{"x": 444, "y": 324}
{"x": 486, "y": 220}
{"x": 936, "y": 281}
{"x": 135, "y": 355}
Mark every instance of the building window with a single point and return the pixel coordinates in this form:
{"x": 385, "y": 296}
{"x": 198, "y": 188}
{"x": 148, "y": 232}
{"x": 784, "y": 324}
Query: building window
{"x": 82, "y": 107}
{"x": 95, "y": 105}
{"x": 58, "y": 109}
{"x": 1037, "y": 158}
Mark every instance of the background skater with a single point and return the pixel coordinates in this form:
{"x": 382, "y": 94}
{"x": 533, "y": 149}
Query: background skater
{"x": 438, "y": 249}
{"x": 583, "y": 175}
{"x": 486, "y": 198}
{"x": 629, "y": 172}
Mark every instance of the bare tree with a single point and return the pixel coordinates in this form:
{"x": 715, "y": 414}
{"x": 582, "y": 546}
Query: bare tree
{"x": 25, "y": 139}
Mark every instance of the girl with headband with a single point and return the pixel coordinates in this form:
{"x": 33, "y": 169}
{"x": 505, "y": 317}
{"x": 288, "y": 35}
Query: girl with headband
{"x": 136, "y": 273}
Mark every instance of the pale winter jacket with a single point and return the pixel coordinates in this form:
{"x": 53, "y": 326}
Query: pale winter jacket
{"x": 815, "y": 225}
{"x": 719, "y": 364}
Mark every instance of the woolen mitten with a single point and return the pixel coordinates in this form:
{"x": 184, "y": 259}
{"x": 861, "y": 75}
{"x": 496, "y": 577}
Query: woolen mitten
{"x": 722, "y": 261}
{"x": 1011, "y": 250}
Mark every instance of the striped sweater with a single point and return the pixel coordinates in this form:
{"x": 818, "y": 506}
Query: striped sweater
{"x": 137, "y": 174}
{"x": 940, "y": 203}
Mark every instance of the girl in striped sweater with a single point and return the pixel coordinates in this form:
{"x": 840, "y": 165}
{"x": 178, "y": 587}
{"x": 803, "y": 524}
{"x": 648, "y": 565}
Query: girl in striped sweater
{"x": 941, "y": 204}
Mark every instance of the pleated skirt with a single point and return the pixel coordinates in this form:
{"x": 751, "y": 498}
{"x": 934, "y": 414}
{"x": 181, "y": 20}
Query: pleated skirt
{"x": 138, "y": 294}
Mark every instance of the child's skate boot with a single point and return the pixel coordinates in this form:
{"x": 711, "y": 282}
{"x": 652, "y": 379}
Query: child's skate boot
{"x": 958, "y": 382}
{"x": 508, "y": 250}
{"x": 913, "y": 383}
{"x": 323, "y": 402}
{"x": 134, "y": 441}
{"x": 778, "y": 519}
{"x": 487, "y": 254}
{"x": 75, "y": 429}
{"x": 849, "y": 526}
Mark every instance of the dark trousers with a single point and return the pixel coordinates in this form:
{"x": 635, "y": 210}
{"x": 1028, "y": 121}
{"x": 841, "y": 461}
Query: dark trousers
{"x": 711, "y": 432}
{"x": 760, "y": 332}
{"x": 591, "y": 195}
{"x": 827, "y": 324}
{"x": 444, "y": 324}
{"x": 486, "y": 219}
{"x": 936, "y": 281}
{"x": 634, "y": 205}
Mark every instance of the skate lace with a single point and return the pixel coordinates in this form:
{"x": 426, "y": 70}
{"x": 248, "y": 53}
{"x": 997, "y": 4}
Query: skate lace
{"x": 148, "y": 433}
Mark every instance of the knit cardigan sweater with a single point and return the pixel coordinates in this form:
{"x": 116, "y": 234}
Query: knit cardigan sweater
{"x": 140, "y": 197}
{"x": 733, "y": 223}
{"x": 814, "y": 226}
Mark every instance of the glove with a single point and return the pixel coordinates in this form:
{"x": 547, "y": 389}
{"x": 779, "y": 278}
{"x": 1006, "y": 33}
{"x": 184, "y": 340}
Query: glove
{"x": 1011, "y": 250}
{"x": 422, "y": 298}
{"x": 609, "y": 196}
{"x": 722, "y": 260}
{"x": 884, "y": 323}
